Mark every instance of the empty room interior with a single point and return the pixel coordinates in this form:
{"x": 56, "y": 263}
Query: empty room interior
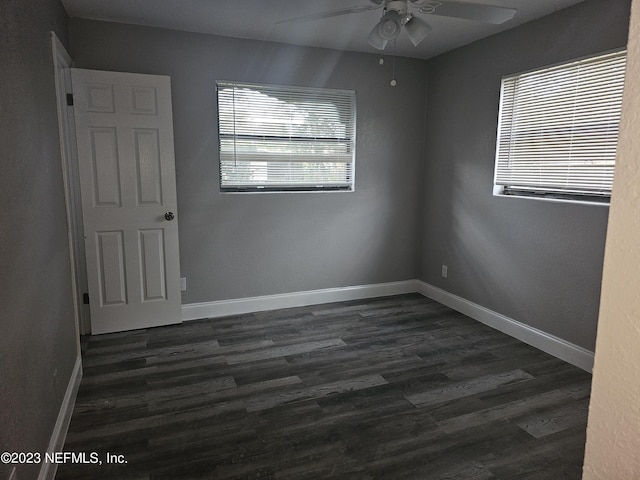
{"x": 363, "y": 239}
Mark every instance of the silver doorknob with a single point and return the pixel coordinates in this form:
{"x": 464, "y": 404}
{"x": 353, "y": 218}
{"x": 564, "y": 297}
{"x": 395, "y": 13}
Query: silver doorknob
{"x": 169, "y": 216}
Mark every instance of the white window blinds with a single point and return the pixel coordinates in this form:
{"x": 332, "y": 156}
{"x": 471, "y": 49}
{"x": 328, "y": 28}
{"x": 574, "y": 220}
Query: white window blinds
{"x": 285, "y": 138}
{"x": 558, "y": 129}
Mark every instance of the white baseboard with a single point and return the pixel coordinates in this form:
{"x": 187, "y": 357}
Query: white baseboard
{"x": 223, "y": 308}
{"x": 59, "y": 435}
{"x": 569, "y": 352}
{"x": 573, "y": 354}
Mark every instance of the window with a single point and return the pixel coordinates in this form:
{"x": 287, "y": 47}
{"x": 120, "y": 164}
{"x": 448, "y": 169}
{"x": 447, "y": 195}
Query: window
{"x": 277, "y": 138}
{"x": 558, "y": 130}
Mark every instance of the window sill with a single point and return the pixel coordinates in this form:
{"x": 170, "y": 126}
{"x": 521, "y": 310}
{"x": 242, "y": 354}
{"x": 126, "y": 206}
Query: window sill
{"x": 259, "y": 191}
{"x": 498, "y": 192}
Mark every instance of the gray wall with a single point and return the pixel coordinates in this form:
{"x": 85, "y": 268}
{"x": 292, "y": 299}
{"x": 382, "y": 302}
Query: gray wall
{"x": 537, "y": 262}
{"x": 241, "y": 245}
{"x": 37, "y": 342}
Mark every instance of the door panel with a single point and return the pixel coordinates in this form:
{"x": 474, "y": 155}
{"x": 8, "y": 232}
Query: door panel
{"x": 147, "y": 152}
{"x": 105, "y": 165}
{"x": 127, "y": 175}
{"x": 111, "y": 268}
{"x": 144, "y": 100}
{"x": 153, "y": 268}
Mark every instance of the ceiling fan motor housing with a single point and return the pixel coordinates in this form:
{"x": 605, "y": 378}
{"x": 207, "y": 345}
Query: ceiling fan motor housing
{"x": 397, "y": 6}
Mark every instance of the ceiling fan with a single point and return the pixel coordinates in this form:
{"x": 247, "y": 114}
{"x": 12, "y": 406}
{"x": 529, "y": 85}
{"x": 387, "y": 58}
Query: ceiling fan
{"x": 397, "y": 16}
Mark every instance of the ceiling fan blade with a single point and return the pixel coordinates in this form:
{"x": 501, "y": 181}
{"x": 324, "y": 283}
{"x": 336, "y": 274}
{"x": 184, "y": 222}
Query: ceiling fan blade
{"x": 468, "y": 11}
{"x": 330, "y": 14}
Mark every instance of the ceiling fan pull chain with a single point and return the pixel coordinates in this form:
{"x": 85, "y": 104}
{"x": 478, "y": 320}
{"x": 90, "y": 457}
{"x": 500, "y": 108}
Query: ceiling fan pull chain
{"x": 393, "y": 82}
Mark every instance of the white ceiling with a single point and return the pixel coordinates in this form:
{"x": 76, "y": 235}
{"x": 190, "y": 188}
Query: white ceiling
{"x": 256, "y": 19}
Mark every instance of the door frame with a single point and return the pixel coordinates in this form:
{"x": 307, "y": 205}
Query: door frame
{"x": 63, "y": 62}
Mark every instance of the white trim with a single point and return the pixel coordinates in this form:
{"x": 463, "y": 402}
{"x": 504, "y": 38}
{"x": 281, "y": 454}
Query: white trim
{"x": 66, "y": 128}
{"x": 569, "y": 352}
{"x": 222, "y": 308}
{"x": 59, "y": 434}
{"x": 498, "y": 192}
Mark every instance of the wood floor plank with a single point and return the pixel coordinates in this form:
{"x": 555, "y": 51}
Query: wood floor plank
{"x": 466, "y": 388}
{"x": 239, "y": 393}
{"x": 392, "y": 388}
{"x": 266, "y": 401}
{"x": 283, "y": 351}
{"x": 505, "y": 412}
{"x": 556, "y": 419}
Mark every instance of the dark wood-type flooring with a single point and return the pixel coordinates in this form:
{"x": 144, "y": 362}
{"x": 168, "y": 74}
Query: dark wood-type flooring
{"x": 389, "y": 388}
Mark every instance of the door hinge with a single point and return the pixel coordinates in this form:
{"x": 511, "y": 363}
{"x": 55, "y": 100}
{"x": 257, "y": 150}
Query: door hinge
{"x": 70, "y": 99}
{"x": 85, "y": 298}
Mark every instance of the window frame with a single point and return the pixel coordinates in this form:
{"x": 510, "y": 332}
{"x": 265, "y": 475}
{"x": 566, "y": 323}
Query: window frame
{"x": 540, "y": 192}
{"x": 348, "y": 100}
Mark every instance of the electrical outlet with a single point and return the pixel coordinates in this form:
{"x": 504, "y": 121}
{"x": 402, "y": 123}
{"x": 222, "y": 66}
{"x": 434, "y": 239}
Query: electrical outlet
{"x": 183, "y": 283}
{"x": 444, "y": 271}
{"x": 14, "y": 475}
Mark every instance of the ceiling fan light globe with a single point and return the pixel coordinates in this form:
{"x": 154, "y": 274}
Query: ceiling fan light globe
{"x": 389, "y": 26}
{"x": 388, "y": 29}
{"x": 417, "y": 30}
{"x": 375, "y": 40}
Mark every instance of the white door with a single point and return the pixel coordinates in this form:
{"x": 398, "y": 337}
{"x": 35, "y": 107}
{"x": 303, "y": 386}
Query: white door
{"x": 124, "y": 131}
